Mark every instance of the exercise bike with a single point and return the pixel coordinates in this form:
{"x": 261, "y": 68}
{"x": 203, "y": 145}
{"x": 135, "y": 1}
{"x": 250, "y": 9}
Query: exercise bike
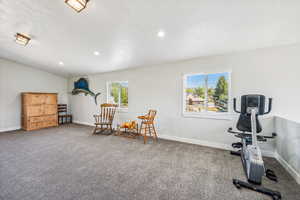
{"x": 252, "y": 106}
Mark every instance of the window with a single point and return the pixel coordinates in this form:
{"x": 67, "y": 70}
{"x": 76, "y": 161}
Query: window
{"x": 117, "y": 93}
{"x": 206, "y": 93}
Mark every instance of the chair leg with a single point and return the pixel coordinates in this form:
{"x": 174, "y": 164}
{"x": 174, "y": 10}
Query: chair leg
{"x": 155, "y": 134}
{"x": 145, "y": 134}
{"x": 145, "y": 138}
{"x": 149, "y": 129}
{"x": 151, "y": 133}
{"x": 102, "y": 127}
{"x": 137, "y": 129}
{"x": 111, "y": 130}
{"x": 96, "y": 127}
{"x": 140, "y": 130}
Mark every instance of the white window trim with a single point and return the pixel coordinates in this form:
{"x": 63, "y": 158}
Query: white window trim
{"x": 207, "y": 115}
{"x": 108, "y": 95}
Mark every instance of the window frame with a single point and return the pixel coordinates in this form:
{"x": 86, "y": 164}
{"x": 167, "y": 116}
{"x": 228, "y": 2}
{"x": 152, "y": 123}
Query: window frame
{"x": 108, "y": 94}
{"x": 208, "y": 115}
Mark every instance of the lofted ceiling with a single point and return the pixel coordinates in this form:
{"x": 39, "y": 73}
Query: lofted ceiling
{"x": 124, "y": 32}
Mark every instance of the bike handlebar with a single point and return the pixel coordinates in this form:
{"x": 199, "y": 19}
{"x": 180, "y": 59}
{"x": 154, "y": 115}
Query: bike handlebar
{"x": 234, "y": 106}
{"x": 269, "y": 107}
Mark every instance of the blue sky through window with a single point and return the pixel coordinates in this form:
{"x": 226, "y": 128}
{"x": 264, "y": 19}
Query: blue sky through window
{"x": 124, "y": 84}
{"x": 194, "y": 81}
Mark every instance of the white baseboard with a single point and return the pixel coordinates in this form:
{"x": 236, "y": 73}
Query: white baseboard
{"x": 208, "y": 144}
{"x": 288, "y": 167}
{"x": 83, "y": 123}
{"x": 195, "y": 141}
{"x": 10, "y": 129}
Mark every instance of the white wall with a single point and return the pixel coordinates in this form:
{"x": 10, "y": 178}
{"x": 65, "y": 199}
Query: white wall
{"x": 16, "y": 78}
{"x": 273, "y": 72}
{"x": 287, "y": 145}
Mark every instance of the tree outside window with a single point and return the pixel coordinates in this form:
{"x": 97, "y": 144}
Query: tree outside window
{"x": 118, "y": 93}
{"x": 206, "y": 93}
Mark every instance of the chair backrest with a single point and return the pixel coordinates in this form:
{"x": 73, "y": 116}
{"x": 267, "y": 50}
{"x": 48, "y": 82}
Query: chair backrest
{"x": 108, "y": 112}
{"x": 62, "y": 108}
{"x": 151, "y": 115}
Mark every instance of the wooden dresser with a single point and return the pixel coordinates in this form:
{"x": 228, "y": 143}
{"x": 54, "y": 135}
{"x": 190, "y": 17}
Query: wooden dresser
{"x": 39, "y": 110}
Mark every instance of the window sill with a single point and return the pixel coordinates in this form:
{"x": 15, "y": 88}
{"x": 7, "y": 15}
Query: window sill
{"x": 220, "y": 116}
{"x": 122, "y": 110}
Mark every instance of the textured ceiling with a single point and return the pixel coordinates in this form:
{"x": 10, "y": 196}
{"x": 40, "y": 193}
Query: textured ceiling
{"x": 125, "y": 31}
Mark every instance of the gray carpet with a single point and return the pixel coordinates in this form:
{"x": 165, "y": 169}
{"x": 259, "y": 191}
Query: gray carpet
{"x": 68, "y": 162}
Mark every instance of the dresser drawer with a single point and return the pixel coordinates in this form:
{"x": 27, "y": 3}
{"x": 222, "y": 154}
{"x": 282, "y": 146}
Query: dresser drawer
{"x": 36, "y": 119}
{"x": 34, "y": 99}
{"x": 50, "y": 118}
{"x": 50, "y": 109}
{"x": 51, "y": 99}
{"x": 34, "y": 110}
{"x": 36, "y": 125}
{"x": 50, "y": 123}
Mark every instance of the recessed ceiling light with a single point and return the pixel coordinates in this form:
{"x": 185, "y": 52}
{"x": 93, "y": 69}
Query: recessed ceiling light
{"x": 96, "y": 53}
{"x": 161, "y": 34}
{"x": 77, "y": 5}
{"x": 22, "y": 39}
{"x": 61, "y": 63}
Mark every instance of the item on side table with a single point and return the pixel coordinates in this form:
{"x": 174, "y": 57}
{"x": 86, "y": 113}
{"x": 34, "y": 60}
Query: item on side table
{"x": 129, "y": 125}
{"x": 128, "y": 129}
{"x": 147, "y": 127}
{"x": 105, "y": 119}
{"x": 63, "y": 116}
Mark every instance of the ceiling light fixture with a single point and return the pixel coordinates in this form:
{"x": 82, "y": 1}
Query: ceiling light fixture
{"x": 22, "y": 39}
{"x": 77, "y": 5}
{"x": 96, "y": 53}
{"x": 161, "y": 34}
{"x": 61, "y": 63}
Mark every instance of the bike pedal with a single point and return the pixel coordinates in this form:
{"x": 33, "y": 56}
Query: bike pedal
{"x": 270, "y": 174}
{"x": 272, "y": 178}
{"x": 237, "y": 145}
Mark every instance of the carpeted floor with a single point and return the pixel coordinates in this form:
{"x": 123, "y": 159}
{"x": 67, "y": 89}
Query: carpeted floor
{"x": 68, "y": 162}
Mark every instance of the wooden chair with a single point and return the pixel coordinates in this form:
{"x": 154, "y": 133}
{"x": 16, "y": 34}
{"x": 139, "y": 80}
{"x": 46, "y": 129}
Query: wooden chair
{"x": 105, "y": 119}
{"x": 147, "y": 127}
{"x": 63, "y": 116}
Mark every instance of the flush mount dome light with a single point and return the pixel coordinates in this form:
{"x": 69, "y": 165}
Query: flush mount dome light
{"x": 77, "y": 5}
{"x": 22, "y": 39}
{"x": 161, "y": 34}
